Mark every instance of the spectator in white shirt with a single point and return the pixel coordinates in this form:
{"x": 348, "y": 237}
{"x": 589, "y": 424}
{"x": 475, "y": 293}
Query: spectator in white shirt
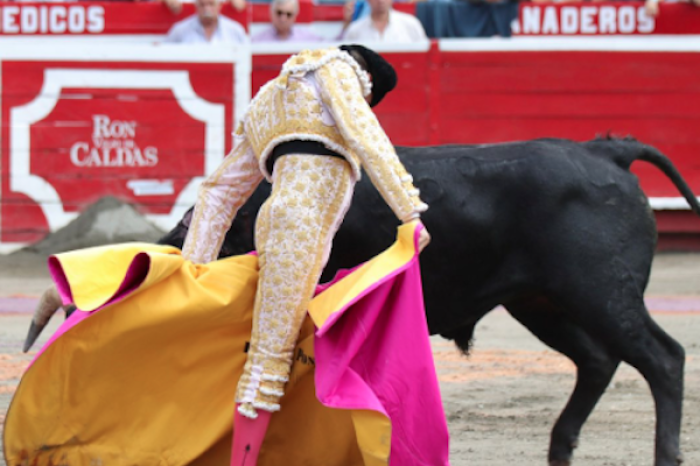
{"x": 384, "y": 24}
{"x": 207, "y": 26}
{"x": 282, "y": 28}
{"x": 175, "y": 6}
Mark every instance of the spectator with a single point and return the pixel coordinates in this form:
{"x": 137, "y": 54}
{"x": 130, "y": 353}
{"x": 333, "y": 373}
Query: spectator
{"x": 207, "y": 26}
{"x": 283, "y": 15}
{"x": 386, "y": 25}
{"x": 652, "y": 6}
{"x": 360, "y": 9}
{"x": 175, "y": 6}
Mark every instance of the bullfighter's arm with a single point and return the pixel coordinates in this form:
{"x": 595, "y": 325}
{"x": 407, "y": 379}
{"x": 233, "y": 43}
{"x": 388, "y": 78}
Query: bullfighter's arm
{"x": 220, "y": 196}
{"x": 342, "y": 93}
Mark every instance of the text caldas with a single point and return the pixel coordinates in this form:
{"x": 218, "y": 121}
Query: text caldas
{"x": 52, "y": 19}
{"x": 593, "y": 19}
{"x": 112, "y": 145}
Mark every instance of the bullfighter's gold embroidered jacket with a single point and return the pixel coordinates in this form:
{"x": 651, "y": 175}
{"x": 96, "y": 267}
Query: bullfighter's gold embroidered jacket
{"x": 318, "y": 96}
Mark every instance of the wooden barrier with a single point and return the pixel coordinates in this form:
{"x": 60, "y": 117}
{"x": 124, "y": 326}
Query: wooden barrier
{"x": 144, "y": 122}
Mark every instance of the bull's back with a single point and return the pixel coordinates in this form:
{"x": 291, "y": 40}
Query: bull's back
{"x": 503, "y": 218}
{"x": 500, "y": 216}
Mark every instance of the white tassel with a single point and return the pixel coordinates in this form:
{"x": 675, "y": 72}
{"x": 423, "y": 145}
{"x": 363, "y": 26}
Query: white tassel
{"x": 247, "y": 410}
{"x": 271, "y": 392}
{"x": 270, "y": 407}
{"x": 274, "y": 378}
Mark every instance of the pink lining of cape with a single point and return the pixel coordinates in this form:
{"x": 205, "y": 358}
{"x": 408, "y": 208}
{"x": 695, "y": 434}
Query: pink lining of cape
{"x": 375, "y": 354}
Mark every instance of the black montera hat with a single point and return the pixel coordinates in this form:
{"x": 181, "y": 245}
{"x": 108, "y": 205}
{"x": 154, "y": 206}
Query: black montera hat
{"x": 383, "y": 74}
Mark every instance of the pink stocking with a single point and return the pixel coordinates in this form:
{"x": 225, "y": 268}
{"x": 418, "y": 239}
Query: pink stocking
{"x": 248, "y": 436}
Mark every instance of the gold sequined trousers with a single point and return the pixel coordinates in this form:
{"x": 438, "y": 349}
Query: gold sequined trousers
{"x": 293, "y": 236}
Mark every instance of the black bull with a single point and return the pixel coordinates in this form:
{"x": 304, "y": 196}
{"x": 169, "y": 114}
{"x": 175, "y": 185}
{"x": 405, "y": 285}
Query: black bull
{"x": 557, "y": 232}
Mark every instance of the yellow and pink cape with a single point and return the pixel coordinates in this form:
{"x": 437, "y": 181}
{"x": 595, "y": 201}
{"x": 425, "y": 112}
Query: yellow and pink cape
{"x": 145, "y": 373}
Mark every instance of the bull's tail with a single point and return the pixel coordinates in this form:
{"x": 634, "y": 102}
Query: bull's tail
{"x": 633, "y": 150}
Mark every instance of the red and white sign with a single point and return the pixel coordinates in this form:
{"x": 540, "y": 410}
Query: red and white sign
{"x": 95, "y": 18}
{"x": 137, "y": 125}
{"x": 590, "y": 19}
{"x": 52, "y": 19}
{"x": 609, "y": 18}
{"x": 26, "y": 19}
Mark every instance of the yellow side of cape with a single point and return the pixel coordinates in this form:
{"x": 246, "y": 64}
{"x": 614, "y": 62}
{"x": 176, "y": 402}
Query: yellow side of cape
{"x": 150, "y": 380}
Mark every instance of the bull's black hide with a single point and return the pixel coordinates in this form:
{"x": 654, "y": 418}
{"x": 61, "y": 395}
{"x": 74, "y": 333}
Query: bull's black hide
{"x": 558, "y": 232}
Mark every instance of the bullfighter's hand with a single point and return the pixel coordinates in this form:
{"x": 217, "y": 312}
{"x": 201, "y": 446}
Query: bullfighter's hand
{"x": 423, "y": 236}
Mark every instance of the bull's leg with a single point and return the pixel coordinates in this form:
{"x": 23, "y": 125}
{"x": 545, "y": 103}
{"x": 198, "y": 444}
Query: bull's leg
{"x": 594, "y": 363}
{"x": 616, "y": 314}
{"x": 660, "y": 359}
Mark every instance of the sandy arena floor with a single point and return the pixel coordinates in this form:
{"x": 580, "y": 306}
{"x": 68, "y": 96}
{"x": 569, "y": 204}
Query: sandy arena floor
{"x": 502, "y": 401}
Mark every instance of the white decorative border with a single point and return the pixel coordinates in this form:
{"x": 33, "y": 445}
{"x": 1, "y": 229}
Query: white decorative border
{"x": 21, "y": 118}
{"x": 669, "y": 203}
{"x": 86, "y": 50}
{"x": 238, "y": 56}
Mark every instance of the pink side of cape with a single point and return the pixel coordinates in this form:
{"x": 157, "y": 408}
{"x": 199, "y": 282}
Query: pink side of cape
{"x": 375, "y": 354}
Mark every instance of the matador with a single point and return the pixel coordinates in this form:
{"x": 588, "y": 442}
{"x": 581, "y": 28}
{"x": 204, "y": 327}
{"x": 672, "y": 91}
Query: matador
{"x": 308, "y": 131}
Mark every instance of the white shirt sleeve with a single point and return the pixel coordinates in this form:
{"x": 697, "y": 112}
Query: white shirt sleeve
{"x": 220, "y": 196}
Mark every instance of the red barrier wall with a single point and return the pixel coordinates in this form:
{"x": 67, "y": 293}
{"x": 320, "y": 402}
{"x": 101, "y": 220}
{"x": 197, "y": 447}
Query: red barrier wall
{"x": 446, "y": 97}
{"x": 501, "y": 96}
{"x": 453, "y": 92}
{"x": 488, "y": 96}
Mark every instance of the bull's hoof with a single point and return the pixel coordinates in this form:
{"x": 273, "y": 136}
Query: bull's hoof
{"x": 560, "y": 463}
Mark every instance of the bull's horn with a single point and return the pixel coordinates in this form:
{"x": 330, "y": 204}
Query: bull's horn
{"x": 48, "y": 304}
{"x": 69, "y": 309}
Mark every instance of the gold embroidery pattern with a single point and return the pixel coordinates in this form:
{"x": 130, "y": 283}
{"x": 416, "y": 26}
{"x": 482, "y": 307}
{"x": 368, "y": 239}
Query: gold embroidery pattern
{"x": 367, "y": 140}
{"x": 288, "y": 108}
{"x": 310, "y": 194}
{"x": 294, "y": 231}
{"x": 278, "y": 114}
